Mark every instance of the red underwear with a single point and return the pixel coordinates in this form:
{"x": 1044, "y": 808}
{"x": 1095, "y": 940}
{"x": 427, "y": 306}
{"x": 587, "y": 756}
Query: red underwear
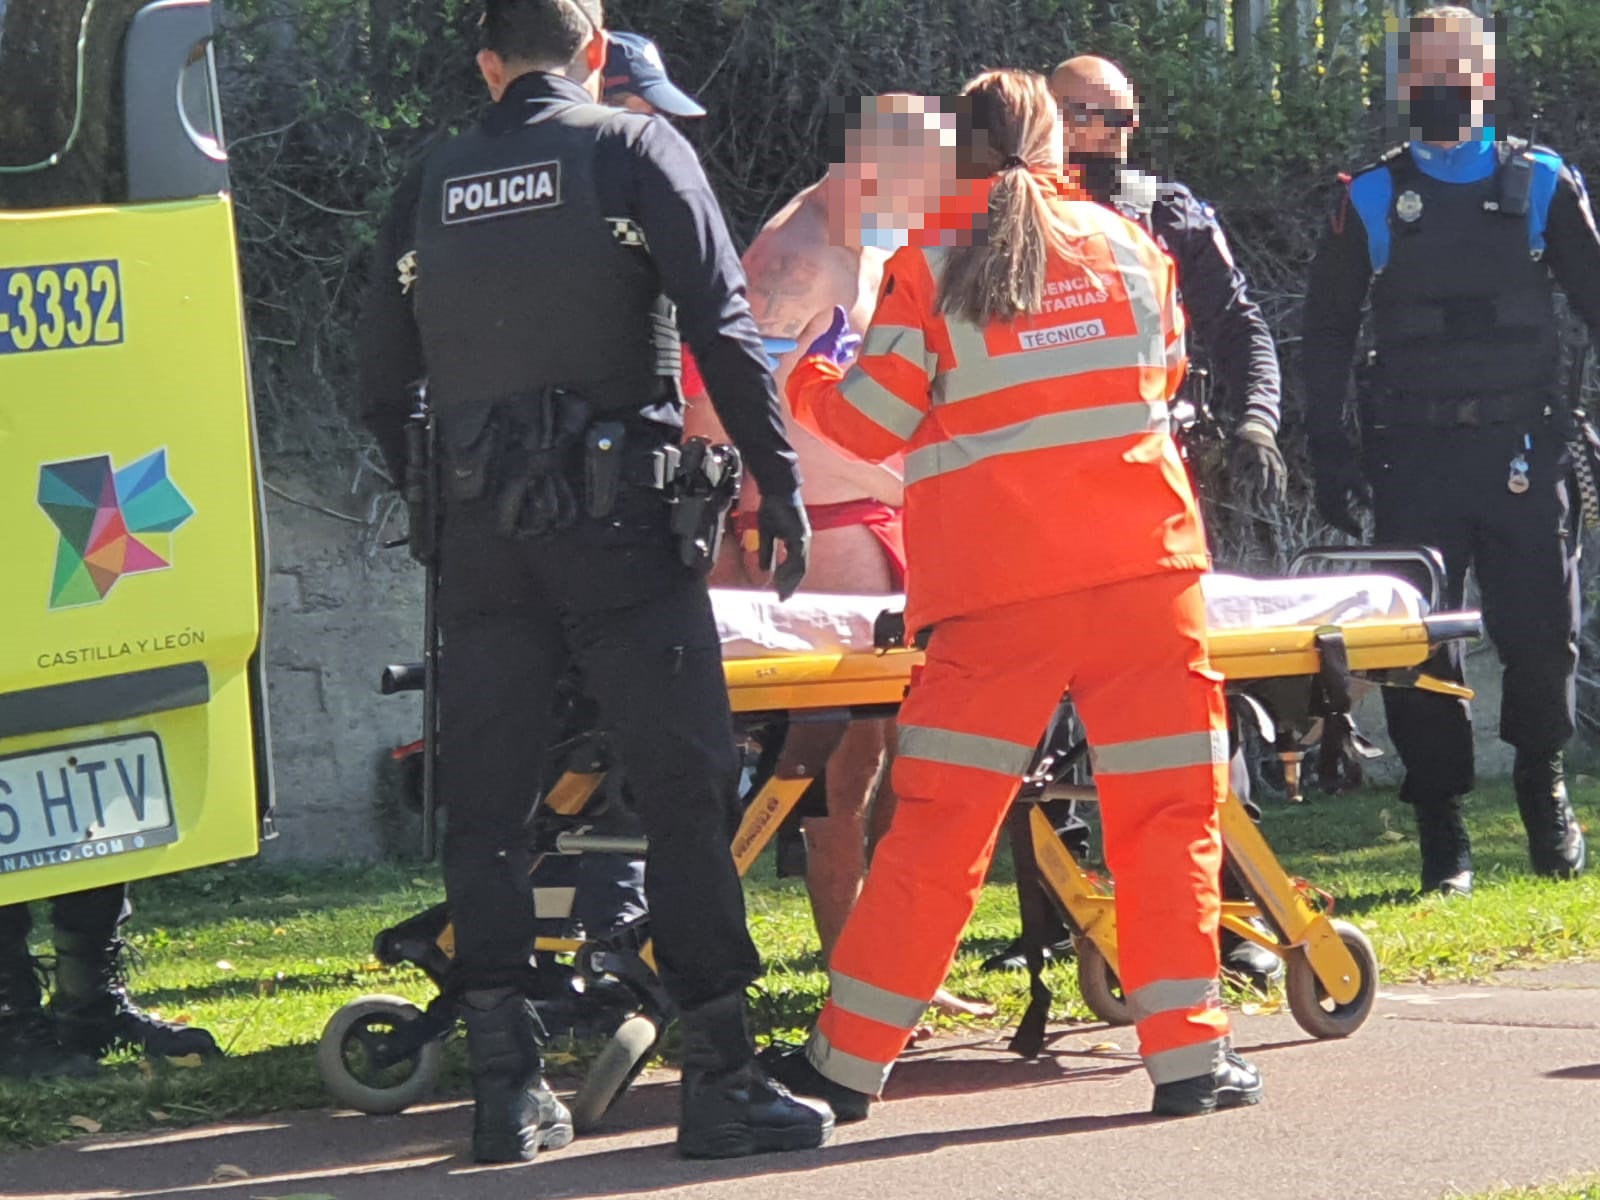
{"x": 886, "y": 522}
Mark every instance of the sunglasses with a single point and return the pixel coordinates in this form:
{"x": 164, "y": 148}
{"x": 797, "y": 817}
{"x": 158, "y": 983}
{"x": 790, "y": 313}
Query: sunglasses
{"x": 1088, "y": 114}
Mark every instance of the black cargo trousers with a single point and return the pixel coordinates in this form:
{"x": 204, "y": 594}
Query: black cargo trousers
{"x": 1447, "y": 488}
{"x": 97, "y": 913}
{"x": 610, "y": 598}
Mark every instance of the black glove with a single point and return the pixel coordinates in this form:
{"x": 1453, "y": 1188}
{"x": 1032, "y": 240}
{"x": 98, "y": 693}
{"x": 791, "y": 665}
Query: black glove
{"x": 783, "y": 519}
{"x": 1340, "y": 486}
{"x": 1258, "y": 467}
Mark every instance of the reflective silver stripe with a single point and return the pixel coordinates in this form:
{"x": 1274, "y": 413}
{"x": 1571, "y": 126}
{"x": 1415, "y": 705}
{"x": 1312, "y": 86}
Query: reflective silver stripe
{"x": 903, "y": 342}
{"x": 848, "y": 1070}
{"x": 876, "y": 1003}
{"x": 1173, "y": 995}
{"x": 977, "y": 372}
{"x": 1161, "y": 753}
{"x": 878, "y": 404}
{"x": 1186, "y": 1062}
{"x": 1038, "y": 433}
{"x": 553, "y": 903}
{"x": 965, "y": 750}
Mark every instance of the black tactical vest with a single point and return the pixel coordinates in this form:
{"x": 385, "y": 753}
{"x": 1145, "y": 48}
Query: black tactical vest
{"x": 1463, "y": 307}
{"x": 525, "y": 284}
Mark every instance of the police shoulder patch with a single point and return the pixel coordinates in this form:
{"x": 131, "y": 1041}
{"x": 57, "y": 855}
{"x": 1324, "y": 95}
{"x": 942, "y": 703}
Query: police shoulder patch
{"x": 500, "y": 193}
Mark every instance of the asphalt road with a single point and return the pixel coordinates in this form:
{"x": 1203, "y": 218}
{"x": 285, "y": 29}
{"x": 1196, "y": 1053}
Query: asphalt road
{"x": 1447, "y": 1090}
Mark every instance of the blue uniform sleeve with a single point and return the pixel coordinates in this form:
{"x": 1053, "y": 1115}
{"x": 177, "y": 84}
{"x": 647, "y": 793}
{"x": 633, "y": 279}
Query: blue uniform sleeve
{"x": 700, "y": 271}
{"x": 1341, "y": 273}
{"x": 1216, "y": 299}
{"x": 1567, "y": 232}
{"x": 388, "y": 345}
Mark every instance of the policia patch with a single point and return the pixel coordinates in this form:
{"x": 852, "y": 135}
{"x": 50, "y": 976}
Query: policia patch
{"x": 501, "y": 193}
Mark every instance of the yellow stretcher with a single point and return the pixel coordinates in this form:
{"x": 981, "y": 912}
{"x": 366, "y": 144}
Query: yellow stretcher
{"x": 798, "y": 674}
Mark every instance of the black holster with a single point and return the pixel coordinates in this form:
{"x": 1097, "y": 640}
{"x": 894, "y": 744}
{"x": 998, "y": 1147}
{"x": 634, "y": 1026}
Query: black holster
{"x": 706, "y": 488}
{"x": 421, "y": 485}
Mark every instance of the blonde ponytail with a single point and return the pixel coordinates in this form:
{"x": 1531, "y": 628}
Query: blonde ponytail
{"x": 1002, "y": 274}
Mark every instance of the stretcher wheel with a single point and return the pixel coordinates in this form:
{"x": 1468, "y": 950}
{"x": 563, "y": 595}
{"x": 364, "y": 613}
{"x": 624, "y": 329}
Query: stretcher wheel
{"x": 345, "y": 1057}
{"x": 1314, "y": 1011}
{"x": 610, "y": 1074}
{"x": 1099, "y": 985}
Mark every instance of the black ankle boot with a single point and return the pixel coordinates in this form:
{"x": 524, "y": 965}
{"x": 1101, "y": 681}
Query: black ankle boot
{"x": 1555, "y": 842}
{"x": 1446, "y": 849}
{"x": 1255, "y": 964}
{"x": 515, "y": 1115}
{"x": 729, "y": 1106}
{"x": 28, "y": 1045}
{"x": 94, "y": 1013}
{"x": 1234, "y": 1084}
{"x": 788, "y": 1065}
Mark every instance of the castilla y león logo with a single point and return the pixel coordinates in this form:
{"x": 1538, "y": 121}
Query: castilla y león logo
{"x": 111, "y": 523}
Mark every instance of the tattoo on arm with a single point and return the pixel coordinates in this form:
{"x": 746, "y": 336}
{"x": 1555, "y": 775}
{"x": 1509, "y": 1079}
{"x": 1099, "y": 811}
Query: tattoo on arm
{"x": 783, "y": 291}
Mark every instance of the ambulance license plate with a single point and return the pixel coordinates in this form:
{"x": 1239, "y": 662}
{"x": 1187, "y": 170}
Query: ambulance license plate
{"x": 81, "y": 802}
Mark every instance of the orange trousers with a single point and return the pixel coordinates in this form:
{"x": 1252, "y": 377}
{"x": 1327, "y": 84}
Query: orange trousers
{"x": 1133, "y": 656}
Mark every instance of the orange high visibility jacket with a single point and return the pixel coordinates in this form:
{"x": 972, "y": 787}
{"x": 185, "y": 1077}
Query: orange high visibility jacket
{"x": 1038, "y": 457}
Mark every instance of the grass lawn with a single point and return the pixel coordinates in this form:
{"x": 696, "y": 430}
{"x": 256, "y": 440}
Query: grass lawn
{"x": 262, "y": 956}
{"x": 1586, "y": 1188}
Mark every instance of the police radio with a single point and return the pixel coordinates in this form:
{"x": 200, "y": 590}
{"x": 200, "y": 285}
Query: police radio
{"x": 1516, "y": 175}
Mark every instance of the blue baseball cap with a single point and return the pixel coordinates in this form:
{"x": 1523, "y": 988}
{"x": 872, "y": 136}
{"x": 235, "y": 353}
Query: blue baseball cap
{"x": 634, "y": 64}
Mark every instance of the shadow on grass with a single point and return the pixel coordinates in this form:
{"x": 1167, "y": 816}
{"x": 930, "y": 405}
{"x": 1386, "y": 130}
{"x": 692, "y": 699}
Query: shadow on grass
{"x": 248, "y": 988}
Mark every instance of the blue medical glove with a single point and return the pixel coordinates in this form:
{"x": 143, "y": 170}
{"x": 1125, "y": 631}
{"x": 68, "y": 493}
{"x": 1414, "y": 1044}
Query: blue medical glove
{"x": 776, "y": 348}
{"x": 838, "y": 341}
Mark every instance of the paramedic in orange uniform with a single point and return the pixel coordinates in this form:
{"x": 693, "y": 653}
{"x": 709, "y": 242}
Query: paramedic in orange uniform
{"x": 1055, "y": 546}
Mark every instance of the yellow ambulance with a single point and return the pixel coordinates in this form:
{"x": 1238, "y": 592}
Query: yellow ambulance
{"x": 133, "y": 727}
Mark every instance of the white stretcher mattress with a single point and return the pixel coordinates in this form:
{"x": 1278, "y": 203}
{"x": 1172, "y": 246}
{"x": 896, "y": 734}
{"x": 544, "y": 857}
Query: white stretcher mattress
{"x": 753, "y": 624}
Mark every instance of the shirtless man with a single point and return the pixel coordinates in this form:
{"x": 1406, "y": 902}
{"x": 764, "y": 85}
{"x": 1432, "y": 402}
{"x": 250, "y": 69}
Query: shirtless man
{"x": 828, "y": 247}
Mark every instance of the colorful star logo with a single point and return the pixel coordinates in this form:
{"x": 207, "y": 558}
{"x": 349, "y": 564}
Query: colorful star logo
{"x": 112, "y": 523}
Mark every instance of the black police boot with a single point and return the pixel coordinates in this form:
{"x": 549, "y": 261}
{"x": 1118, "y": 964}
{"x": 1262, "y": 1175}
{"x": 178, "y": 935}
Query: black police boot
{"x": 1256, "y": 965}
{"x": 514, "y": 1114}
{"x": 1446, "y": 849}
{"x": 1555, "y": 842}
{"x": 729, "y": 1106}
{"x": 94, "y": 1013}
{"x": 789, "y": 1065}
{"x": 1234, "y": 1084}
{"x": 28, "y": 1045}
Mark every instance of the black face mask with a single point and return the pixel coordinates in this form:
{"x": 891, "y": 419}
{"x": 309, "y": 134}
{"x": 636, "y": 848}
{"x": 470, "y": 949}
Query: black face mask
{"x": 1440, "y": 112}
{"x": 1099, "y": 173}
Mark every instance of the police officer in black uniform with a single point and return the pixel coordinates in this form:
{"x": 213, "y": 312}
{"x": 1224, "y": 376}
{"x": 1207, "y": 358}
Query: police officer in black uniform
{"x": 1099, "y": 114}
{"x": 1460, "y": 237}
{"x": 528, "y": 273}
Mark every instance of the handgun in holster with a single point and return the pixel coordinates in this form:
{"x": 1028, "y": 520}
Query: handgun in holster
{"x": 705, "y": 489}
{"x": 420, "y": 489}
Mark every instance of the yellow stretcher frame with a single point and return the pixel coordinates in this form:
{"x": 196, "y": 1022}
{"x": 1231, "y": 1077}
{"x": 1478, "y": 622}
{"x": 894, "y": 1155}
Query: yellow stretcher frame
{"x": 1332, "y": 970}
{"x": 1330, "y": 963}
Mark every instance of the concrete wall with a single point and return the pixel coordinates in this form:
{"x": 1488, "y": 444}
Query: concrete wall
{"x": 341, "y": 607}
